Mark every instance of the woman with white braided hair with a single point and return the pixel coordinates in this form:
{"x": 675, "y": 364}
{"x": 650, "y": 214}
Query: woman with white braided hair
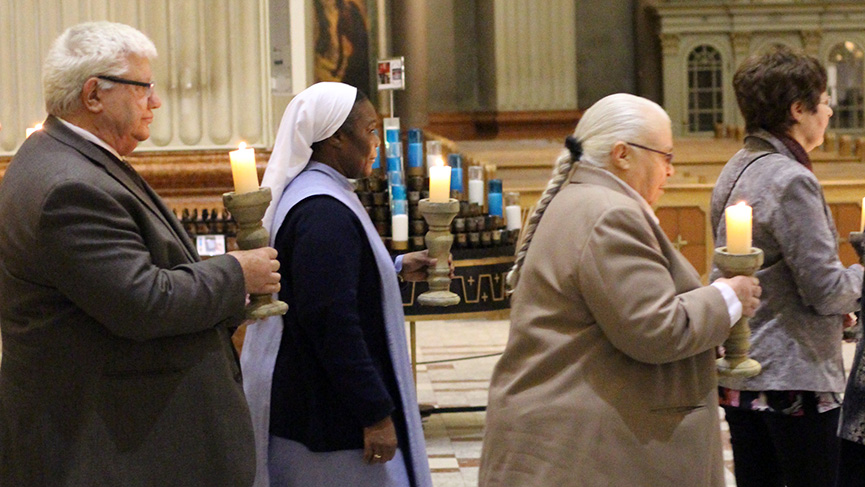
{"x": 329, "y": 385}
{"x": 608, "y": 376}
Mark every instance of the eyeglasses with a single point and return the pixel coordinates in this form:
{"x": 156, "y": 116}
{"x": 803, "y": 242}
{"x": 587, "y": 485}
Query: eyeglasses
{"x": 667, "y": 155}
{"x": 125, "y": 81}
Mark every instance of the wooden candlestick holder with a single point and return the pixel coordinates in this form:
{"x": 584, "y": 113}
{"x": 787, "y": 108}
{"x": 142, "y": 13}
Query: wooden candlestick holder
{"x": 248, "y": 210}
{"x": 736, "y": 362}
{"x": 439, "y": 240}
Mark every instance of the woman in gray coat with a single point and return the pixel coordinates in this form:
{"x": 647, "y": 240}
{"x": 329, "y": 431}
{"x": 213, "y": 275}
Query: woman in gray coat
{"x": 783, "y": 422}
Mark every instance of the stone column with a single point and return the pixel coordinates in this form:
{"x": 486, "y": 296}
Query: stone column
{"x": 675, "y": 94}
{"x": 410, "y": 40}
{"x": 741, "y": 42}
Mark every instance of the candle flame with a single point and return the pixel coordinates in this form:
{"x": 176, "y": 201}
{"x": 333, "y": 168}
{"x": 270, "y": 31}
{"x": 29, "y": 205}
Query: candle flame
{"x": 439, "y": 161}
{"x": 241, "y": 146}
{"x": 38, "y": 126}
{"x": 741, "y": 203}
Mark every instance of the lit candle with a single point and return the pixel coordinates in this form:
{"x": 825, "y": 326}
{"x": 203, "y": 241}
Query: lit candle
{"x": 738, "y": 219}
{"x": 439, "y": 182}
{"x": 243, "y": 169}
{"x": 30, "y": 131}
{"x": 862, "y": 220}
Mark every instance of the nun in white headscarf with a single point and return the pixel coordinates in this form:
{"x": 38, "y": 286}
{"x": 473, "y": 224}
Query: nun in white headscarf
{"x": 329, "y": 385}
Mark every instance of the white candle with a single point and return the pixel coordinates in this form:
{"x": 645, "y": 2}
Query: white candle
{"x": 28, "y": 132}
{"x": 243, "y": 169}
{"x": 513, "y": 216}
{"x": 476, "y": 191}
{"x": 862, "y": 220}
{"x": 399, "y": 226}
{"x": 439, "y": 182}
{"x": 738, "y": 219}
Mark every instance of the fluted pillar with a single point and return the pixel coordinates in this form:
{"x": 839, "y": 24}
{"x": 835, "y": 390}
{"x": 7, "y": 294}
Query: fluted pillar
{"x": 211, "y": 73}
{"x": 410, "y": 40}
{"x": 673, "y": 82}
{"x": 535, "y": 55}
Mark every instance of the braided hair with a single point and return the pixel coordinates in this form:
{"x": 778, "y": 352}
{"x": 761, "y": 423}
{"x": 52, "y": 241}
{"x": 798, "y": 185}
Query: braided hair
{"x": 614, "y": 118}
{"x": 563, "y": 167}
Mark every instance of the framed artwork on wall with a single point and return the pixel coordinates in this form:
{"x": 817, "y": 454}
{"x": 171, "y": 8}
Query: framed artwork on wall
{"x": 343, "y": 42}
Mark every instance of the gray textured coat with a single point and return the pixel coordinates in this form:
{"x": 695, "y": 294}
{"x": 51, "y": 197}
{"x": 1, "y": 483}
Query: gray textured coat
{"x": 117, "y": 363}
{"x": 796, "y": 332}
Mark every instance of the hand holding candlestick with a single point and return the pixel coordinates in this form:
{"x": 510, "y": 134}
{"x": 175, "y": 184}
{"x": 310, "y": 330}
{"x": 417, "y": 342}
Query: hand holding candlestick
{"x": 439, "y": 240}
{"x": 247, "y": 205}
{"x": 736, "y": 362}
{"x": 248, "y": 210}
{"x": 738, "y": 258}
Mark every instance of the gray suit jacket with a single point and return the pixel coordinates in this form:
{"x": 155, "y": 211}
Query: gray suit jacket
{"x": 117, "y": 366}
{"x": 608, "y": 377}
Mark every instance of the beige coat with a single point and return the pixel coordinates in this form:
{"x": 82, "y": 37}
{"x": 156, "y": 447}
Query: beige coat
{"x": 608, "y": 377}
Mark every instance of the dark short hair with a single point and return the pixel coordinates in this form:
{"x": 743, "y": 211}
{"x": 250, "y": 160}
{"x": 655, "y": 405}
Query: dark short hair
{"x": 768, "y": 84}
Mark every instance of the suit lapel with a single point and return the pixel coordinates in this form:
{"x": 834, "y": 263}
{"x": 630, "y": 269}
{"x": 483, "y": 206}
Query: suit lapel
{"x": 174, "y": 224}
{"x": 112, "y": 166}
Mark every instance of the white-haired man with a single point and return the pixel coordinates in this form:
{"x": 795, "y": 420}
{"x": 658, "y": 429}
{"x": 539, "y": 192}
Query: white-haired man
{"x": 117, "y": 363}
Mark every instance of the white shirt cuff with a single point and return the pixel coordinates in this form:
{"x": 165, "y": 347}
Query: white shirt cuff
{"x": 397, "y": 263}
{"x": 734, "y": 306}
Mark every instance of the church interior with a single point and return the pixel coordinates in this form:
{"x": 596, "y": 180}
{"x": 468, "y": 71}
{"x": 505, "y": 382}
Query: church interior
{"x": 498, "y": 84}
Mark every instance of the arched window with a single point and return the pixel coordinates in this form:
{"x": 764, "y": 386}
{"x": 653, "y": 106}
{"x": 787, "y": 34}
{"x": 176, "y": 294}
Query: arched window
{"x": 705, "y": 92}
{"x": 845, "y": 72}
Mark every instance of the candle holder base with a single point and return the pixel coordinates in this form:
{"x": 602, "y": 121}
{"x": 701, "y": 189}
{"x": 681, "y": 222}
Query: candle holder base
{"x": 271, "y": 307}
{"x": 248, "y": 210}
{"x": 438, "y": 298}
{"x": 736, "y": 362}
{"x": 439, "y": 240}
{"x": 740, "y": 368}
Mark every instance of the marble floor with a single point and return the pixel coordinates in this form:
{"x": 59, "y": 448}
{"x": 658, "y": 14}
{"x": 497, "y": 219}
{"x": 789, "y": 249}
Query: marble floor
{"x": 454, "y": 439}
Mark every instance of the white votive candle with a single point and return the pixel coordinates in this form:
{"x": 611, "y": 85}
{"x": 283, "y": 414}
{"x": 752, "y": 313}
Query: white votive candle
{"x": 399, "y": 226}
{"x": 476, "y": 191}
{"x": 513, "y": 216}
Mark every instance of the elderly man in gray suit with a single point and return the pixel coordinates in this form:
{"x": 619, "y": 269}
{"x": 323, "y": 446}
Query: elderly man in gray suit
{"x": 117, "y": 365}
